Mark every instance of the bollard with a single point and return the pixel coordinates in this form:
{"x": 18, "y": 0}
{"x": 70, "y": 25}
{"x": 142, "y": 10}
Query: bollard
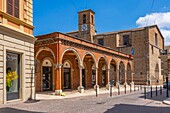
{"x": 151, "y": 91}
{"x": 138, "y": 88}
{"x": 167, "y": 92}
{"x": 96, "y": 91}
{"x": 134, "y": 88}
{"x": 145, "y": 92}
{"x": 110, "y": 90}
{"x": 160, "y": 90}
{"x": 125, "y": 89}
{"x": 130, "y": 88}
{"x": 118, "y": 90}
{"x": 156, "y": 91}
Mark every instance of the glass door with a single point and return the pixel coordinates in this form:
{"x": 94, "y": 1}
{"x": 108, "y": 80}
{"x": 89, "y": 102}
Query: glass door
{"x": 47, "y": 78}
{"x": 67, "y": 81}
{"x": 12, "y": 76}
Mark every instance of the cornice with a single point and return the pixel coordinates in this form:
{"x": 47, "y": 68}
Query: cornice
{"x": 15, "y": 20}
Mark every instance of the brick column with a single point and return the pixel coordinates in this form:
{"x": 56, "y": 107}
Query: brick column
{"x": 125, "y": 77}
{"x": 58, "y": 90}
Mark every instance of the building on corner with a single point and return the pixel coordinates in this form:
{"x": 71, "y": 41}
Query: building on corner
{"x": 16, "y": 50}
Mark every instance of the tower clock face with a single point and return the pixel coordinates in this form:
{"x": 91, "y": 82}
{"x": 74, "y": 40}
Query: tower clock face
{"x": 84, "y": 27}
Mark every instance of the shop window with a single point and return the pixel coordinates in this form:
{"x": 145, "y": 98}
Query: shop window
{"x": 13, "y": 8}
{"x": 12, "y": 76}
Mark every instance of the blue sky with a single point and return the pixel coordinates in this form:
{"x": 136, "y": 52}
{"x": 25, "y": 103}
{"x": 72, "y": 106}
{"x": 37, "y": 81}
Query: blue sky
{"x": 111, "y": 15}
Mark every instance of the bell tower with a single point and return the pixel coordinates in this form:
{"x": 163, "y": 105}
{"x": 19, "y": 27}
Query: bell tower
{"x": 86, "y": 25}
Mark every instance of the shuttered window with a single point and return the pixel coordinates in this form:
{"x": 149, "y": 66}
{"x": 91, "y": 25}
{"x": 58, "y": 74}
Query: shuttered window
{"x": 13, "y": 8}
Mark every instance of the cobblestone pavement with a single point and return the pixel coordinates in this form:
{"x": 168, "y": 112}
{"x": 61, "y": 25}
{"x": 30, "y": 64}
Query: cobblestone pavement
{"x": 129, "y": 103}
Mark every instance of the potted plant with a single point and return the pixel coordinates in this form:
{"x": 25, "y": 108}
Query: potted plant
{"x": 10, "y": 76}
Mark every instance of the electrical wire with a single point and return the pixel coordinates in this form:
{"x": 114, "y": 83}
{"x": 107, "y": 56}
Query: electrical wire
{"x": 153, "y": 1}
{"x": 74, "y": 5}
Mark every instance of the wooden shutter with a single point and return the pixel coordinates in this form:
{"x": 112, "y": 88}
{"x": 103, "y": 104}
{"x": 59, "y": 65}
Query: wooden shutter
{"x": 9, "y": 7}
{"x": 16, "y": 8}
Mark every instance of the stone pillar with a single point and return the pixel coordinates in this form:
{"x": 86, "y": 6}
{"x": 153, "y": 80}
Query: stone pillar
{"x": 117, "y": 75}
{"x": 108, "y": 79}
{"x": 58, "y": 90}
{"x": 132, "y": 74}
{"x": 125, "y": 77}
{"x": 81, "y": 88}
{"x": 96, "y": 87}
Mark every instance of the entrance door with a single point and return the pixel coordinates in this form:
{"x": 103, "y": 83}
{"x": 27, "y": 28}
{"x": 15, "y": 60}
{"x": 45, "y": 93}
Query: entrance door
{"x": 93, "y": 77}
{"x": 13, "y": 76}
{"x": 103, "y": 77}
{"x": 83, "y": 78}
{"x": 67, "y": 81}
{"x": 47, "y": 78}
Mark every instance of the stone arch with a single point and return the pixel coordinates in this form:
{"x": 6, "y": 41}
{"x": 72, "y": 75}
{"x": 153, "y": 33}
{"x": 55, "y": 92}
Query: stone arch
{"x": 112, "y": 72}
{"x": 75, "y": 52}
{"x": 121, "y": 72}
{"x": 129, "y": 73}
{"x": 105, "y": 58}
{"x": 90, "y": 61}
{"x": 89, "y": 53}
{"x": 45, "y": 49}
{"x": 102, "y": 71}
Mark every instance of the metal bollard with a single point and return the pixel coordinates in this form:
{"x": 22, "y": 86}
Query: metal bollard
{"x": 130, "y": 88}
{"x": 151, "y": 91}
{"x": 110, "y": 90}
{"x": 96, "y": 91}
{"x": 134, "y": 88}
{"x": 118, "y": 90}
{"x": 138, "y": 88}
{"x": 156, "y": 91}
{"x": 125, "y": 89}
{"x": 145, "y": 92}
{"x": 160, "y": 90}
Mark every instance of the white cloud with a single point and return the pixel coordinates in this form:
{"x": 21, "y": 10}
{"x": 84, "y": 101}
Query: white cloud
{"x": 161, "y": 19}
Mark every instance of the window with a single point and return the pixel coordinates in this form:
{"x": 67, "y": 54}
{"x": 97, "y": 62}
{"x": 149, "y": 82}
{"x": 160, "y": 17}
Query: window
{"x": 12, "y": 76}
{"x": 84, "y": 19}
{"x": 156, "y": 39}
{"x": 92, "y": 19}
{"x": 13, "y": 8}
{"x": 126, "y": 40}
{"x": 101, "y": 41}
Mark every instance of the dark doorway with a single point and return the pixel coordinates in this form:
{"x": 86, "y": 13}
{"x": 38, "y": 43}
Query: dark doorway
{"x": 93, "y": 77}
{"x": 103, "y": 78}
{"x": 83, "y": 78}
{"x": 67, "y": 80}
{"x": 47, "y": 78}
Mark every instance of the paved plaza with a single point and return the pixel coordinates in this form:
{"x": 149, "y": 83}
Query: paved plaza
{"x": 130, "y": 103}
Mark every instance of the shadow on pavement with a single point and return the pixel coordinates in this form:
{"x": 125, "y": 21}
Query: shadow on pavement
{"x": 13, "y": 110}
{"x": 125, "y": 108}
{"x": 159, "y": 97}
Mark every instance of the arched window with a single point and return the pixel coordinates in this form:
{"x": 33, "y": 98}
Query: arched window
{"x": 84, "y": 19}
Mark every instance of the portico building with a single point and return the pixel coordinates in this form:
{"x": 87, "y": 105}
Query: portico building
{"x": 66, "y": 62}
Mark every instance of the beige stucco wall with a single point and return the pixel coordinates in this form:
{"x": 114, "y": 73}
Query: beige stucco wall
{"x": 9, "y": 43}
